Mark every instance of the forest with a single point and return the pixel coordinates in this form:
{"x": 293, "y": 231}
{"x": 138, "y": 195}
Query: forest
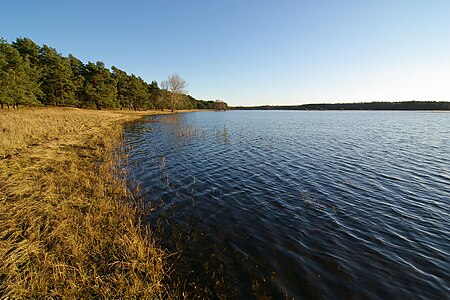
{"x": 34, "y": 75}
{"x": 406, "y": 105}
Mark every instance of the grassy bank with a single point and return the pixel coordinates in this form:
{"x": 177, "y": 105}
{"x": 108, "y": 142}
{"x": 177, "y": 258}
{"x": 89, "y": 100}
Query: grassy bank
{"x": 67, "y": 226}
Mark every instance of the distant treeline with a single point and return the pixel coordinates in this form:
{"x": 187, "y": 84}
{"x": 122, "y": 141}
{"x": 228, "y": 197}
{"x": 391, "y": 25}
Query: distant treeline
{"x": 408, "y": 105}
{"x": 35, "y": 75}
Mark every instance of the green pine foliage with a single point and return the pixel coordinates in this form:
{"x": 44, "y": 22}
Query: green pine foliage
{"x": 100, "y": 87}
{"x": 36, "y": 75}
{"x": 57, "y": 80}
{"x": 18, "y": 85}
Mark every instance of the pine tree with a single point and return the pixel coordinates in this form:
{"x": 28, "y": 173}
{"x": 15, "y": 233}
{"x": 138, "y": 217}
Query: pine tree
{"x": 78, "y": 71}
{"x": 124, "y": 96}
{"x": 27, "y": 48}
{"x": 153, "y": 93}
{"x": 16, "y": 84}
{"x": 139, "y": 92}
{"x": 100, "y": 88}
{"x": 57, "y": 78}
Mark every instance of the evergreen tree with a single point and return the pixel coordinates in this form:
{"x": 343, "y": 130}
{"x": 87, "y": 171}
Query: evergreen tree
{"x": 139, "y": 92}
{"x": 57, "y": 78}
{"x": 27, "y": 48}
{"x": 77, "y": 66}
{"x": 153, "y": 93}
{"x": 123, "y": 88}
{"x": 132, "y": 91}
{"x": 30, "y": 50}
{"x": 78, "y": 71}
{"x": 100, "y": 87}
{"x": 16, "y": 84}
{"x": 191, "y": 102}
{"x": 34, "y": 75}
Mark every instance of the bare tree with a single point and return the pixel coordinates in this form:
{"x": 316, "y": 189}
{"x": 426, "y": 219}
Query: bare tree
{"x": 176, "y": 85}
{"x": 220, "y": 105}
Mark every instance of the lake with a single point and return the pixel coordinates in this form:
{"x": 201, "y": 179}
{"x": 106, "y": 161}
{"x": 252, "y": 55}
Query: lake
{"x": 303, "y": 204}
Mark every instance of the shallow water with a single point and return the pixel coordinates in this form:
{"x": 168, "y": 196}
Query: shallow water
{"x": 300, "y": 204}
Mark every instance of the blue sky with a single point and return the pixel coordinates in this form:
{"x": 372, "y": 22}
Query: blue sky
{"x": 256, "y": 52}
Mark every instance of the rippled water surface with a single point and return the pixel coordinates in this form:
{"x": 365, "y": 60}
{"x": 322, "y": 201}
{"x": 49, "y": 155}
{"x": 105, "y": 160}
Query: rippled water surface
{"x": 300, "y": 204}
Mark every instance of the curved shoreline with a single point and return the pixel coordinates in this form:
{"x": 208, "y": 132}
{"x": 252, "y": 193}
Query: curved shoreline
{"x": 67, "y": 225}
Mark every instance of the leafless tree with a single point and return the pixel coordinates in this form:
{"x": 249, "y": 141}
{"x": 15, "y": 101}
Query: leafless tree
{"x": 220, "y": 105}
{"x": 176, "y": 85}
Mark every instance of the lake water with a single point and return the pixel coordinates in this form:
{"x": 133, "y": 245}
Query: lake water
{"x": 299, "y": 204}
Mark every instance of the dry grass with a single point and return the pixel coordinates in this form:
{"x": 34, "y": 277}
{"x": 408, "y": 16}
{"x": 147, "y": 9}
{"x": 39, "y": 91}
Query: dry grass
{"x": 29, "y": 127}
{"x": 67, "y": 226}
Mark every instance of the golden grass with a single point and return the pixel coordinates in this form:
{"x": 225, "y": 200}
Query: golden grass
{"x": 67, "y": 226}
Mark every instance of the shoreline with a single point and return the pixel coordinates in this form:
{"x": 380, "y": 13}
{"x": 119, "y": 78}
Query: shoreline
{"x": 68, "y": 226}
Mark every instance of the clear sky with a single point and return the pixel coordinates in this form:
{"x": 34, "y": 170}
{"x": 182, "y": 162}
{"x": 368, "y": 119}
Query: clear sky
{"x": 255, "y": 52}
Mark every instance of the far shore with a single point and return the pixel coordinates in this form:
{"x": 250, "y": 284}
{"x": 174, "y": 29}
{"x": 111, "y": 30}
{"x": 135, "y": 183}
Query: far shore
{"x": 365, "y": 106}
